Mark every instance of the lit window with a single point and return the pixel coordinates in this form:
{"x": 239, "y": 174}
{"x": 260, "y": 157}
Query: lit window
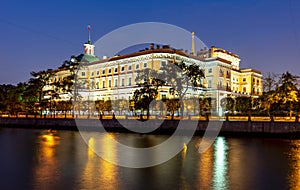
{"x": 116, "y": 82}
{"x": 209, "y": 84}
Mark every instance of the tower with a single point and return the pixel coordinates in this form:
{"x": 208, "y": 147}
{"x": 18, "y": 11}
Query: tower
{"x": 193, "y": 43}
{"x": 88, "y": 46}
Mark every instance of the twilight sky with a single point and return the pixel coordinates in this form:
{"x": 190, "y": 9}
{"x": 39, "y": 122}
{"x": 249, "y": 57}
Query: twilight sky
{"x": 37, "y": 35}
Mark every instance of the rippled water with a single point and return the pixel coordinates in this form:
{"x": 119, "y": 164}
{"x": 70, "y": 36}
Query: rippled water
{"x": 40, "y": 159}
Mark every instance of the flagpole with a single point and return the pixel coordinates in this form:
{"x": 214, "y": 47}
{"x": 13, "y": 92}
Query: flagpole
{"x": 89, "y": 33}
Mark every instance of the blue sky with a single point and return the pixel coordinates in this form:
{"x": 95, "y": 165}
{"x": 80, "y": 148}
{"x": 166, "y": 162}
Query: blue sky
{"x": 37, "y": 35}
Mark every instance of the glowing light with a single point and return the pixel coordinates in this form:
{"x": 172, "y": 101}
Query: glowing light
{"x": 184, "y": 148}
{"x": 91, "y": 147}
{"x": 220, "y": 165}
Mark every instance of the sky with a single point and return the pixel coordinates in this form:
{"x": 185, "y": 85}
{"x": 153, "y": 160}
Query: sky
{"x": 38, "y": 35}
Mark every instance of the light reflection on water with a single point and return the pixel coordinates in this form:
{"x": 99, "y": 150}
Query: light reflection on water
{"x": 60, "y": 159}
{"x": 294, "y": 156}
{"x": 46, "y": 161}
{"x": 220, "y": 164}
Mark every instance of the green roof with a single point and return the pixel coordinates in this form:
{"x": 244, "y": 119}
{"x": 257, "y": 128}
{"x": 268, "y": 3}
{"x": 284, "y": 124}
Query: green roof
{"x": 87, "y": 58}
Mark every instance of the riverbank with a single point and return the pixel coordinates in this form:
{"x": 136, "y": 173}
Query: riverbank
{"x": 229, "y": 128}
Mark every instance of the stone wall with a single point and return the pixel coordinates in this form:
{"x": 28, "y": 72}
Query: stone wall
{"x": 165, "y": 126}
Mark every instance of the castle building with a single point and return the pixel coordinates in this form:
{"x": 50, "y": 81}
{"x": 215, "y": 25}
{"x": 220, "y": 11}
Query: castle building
{"x": 114, "y": 78}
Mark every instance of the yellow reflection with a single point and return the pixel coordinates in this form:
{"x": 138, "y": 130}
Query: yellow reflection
{"x": 98, "y": 171}
{"x": 205, "y": 168}
{"x": 91, "y": 147}
{"x": 46, "y": 158}
{"x": 220, "y": 164}
{"x": 184, "y": 150}
{"x": 294, "y": 155}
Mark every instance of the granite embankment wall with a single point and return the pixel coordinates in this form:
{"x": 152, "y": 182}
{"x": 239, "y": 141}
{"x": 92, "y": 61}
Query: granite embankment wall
{"x": 165, "y": 126}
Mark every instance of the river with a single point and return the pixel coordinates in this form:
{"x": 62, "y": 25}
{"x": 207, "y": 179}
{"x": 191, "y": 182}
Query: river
{"x": 43, "y": 159}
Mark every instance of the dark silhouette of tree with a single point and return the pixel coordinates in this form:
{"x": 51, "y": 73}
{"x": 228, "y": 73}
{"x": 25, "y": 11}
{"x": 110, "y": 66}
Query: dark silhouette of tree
{"x": 227, "y": 104}
{"x": 148, "y": 82}
{"x": 172, "y": 106}
{"x": 287, "y": 93}
{"x": 243, "y": 104}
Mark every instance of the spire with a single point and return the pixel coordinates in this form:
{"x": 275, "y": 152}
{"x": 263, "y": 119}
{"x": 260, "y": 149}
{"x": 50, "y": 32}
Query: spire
{"x": 88, "y": 46}
{"x": 89, "y": 34}
{"x": 193, "y": 43}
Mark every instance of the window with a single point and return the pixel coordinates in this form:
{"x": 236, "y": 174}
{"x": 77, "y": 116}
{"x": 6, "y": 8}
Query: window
{"x": 109, "y": 83}
{"x": 163, "y": 63}
{"x": 98, "y": 73}
{"x": 209, "y": 84}
{"x": 210, "y": 70}
{"x": 257, "y": 81}
{"x": 92, "y": 74}
{"x": 129, "y": 81}
{"x": 116, "y": 69}
{"x": 163, "y": 96}
{"x": 244, "y": 79}
{"x": 109, "y": 70}
{"x": 129, "y": 68}
{"x": 137, "y": 66}
{"x": 145, "y": 65}
{"x": 103, "y": 84}
{"x": 123, "y": 82}
{"x": 103, "y": 72}
{"x": 83, "y": 74}
{"x": 122, "y": 68}
{"x": 221, "y": 83}
{"x": 244, "y": 89}
{"x": 116, "y": 82}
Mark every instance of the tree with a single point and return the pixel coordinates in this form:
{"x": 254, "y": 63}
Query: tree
{"x": 227, "y": 104}
{"x": 172, "y": 106}
{"x": 287, "y": 93}
{"x": 148, "y": 82}
{"x": 36, "y": 86}
{"x": 243, "y": 104}
{"x": 270, "y": 82}
{"x": 181, "y": 77}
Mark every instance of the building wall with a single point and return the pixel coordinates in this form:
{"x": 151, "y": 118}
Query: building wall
{"x": 115, "y": 78}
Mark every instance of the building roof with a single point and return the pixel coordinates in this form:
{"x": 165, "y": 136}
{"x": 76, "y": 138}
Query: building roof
{"x": 87, "y": 58}
{"x": 164, "y": 49}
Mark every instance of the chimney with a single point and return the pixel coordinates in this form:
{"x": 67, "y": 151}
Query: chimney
{"x": 152, "y": 46}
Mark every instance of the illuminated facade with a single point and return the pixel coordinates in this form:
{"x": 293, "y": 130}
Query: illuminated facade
{"x": 114, "y": 78}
